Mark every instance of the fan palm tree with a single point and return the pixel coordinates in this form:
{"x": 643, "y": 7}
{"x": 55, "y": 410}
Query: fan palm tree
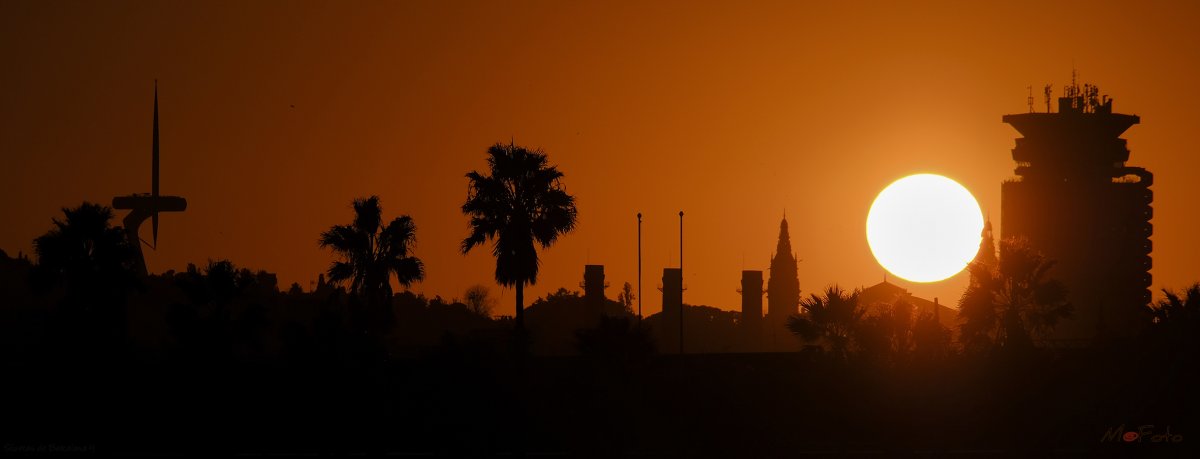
{"x": 519, "y": 204}
{"x": 833, "y": 318}
{"x": 371, "y": 252}
{"x": 1012, "y": 300}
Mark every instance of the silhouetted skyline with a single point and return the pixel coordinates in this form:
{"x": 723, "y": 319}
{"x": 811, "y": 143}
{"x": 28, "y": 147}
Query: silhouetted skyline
{"x": 421, "y": 229}
{"x": 810, "y": 109}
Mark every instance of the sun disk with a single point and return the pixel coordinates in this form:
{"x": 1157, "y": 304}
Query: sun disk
{"x": 924, "y": 228}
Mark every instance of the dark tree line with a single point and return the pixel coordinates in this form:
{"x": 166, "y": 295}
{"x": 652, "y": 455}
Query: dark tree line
{"x": 222, "y": 348}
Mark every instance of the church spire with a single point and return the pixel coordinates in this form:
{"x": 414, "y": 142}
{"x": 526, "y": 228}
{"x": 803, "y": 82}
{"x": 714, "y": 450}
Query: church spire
{"x": 783, "y": 288}
{"x": 784, "y": 246}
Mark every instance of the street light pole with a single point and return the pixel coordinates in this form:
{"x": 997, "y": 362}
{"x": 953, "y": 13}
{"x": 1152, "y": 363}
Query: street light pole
{"x": 681, "y": 282}
{"x": 639, "y": 218}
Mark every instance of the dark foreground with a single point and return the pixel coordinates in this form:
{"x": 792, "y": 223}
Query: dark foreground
{"x": 472, "y": 400}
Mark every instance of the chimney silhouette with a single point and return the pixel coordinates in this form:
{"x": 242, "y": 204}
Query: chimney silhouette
{"x": 752, "y": 303}
{"x": 672, "y": 305}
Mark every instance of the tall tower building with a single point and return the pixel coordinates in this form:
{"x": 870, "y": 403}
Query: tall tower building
{"x": 593, "y": 288}
{"x": 593, "y": 282}
{"x": 783, "y": 290}
{"x": 144, "y": 206}
{"x": 1075, "y": 200}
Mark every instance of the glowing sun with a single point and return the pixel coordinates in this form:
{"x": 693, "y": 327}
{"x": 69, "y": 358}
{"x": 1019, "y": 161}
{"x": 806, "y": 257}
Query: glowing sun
{"x": 924, "y": 228}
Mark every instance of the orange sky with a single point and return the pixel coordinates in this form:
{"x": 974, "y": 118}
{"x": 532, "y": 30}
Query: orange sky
{"x": 732, "y": 112}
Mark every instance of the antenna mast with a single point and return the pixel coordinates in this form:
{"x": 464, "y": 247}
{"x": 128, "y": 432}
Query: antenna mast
{"x": 1048, "y": 90}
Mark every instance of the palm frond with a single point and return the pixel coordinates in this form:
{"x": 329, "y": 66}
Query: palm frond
{"x": 340, "y": 272}
{"x": 398, "y": 238}
{"x": 407, "y": 270}
{"x": 367, "y": 215}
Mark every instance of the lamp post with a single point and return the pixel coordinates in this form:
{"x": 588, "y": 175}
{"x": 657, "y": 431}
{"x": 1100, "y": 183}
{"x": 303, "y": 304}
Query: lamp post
{"x": 681, "y": 282}
{"x": 639, "y": 220}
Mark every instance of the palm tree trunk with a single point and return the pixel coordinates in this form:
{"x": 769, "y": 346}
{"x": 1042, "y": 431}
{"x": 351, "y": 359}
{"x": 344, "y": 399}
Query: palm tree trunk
{"x": 520, "y": 317}
{"x": 520, "y": 338}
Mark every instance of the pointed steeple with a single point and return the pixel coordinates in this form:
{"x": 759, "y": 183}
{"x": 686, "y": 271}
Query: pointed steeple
{"x": 784, "y": 246}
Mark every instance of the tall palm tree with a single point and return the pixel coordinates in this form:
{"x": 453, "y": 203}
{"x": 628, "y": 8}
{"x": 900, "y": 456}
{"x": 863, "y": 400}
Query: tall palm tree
{"x": 1012, "y": 300}
{"x": 371, "y": 252}
{"x": 833, "y": 318}
{"x": 519, "y": 203}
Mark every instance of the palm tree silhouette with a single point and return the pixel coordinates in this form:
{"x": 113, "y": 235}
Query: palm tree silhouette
{"x": 1176, "y": 318}
{"x": 1178, "y": 306}
{"x": 519, "y": 203}
{"x": 371, "y": 253}
{"x": 86, "y": 253}
{"x": 96, "y": 265}
{"x": 1012, "y": 300}
{"x": 834, "y": 318}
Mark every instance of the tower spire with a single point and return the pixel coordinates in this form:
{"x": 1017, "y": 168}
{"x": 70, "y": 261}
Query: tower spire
{"x": 147, "y": 206}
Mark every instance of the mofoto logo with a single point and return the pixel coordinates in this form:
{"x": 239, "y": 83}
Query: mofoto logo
{"x": 1144, "y": 433}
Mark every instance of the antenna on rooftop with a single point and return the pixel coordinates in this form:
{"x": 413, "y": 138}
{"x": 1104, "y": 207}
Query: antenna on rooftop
{"x": 1029, "y": 100}
{"x": 1048, "y": 90}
